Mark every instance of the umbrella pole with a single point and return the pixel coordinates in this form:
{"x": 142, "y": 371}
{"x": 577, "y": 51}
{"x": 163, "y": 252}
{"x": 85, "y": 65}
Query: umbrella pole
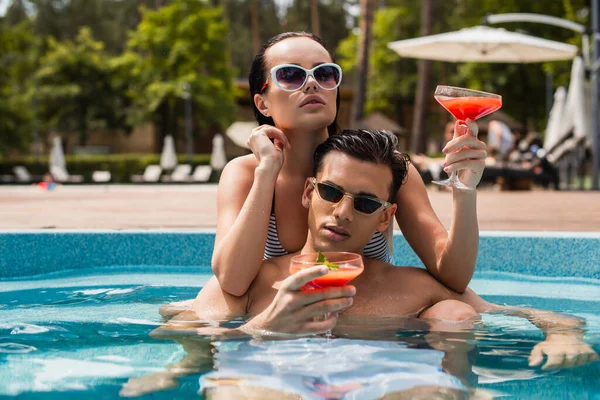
{"x": 595, "y": 108}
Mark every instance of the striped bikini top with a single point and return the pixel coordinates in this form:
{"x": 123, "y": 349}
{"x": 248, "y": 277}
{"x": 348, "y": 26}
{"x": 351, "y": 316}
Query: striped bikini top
{"x": 377, "y": 248}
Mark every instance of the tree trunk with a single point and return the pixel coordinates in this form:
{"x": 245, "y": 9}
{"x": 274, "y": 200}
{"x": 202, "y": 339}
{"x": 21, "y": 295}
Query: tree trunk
{"x": 422, "y": 95}
{"x": 367, "y": 8}
{"x": 254, "y": 23}
{"x": 314, "y": 17}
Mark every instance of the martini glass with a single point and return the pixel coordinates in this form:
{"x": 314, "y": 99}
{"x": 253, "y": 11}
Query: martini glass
{"x": 350, "y": 265}
{"x": 463, "y": 104}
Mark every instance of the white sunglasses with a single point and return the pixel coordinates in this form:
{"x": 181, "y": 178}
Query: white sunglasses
{"x": 290, "y": 77}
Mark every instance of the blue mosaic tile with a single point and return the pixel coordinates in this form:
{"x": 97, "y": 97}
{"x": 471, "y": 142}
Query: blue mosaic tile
{"x": 538, "y": 256}
{"x": 35, "y": 252}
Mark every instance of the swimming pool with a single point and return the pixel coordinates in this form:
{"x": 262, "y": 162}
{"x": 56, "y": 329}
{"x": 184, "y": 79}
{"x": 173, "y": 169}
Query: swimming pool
{"x": 77, "y": 309}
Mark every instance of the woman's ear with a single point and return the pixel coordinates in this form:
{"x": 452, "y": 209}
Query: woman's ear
{"x": 307, "y": 193}
{"x": 387, "y": 216}
{"x": 261, "y": 104}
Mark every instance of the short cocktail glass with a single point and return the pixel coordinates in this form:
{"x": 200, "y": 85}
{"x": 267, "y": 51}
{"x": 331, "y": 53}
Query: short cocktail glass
{"x": 465, "y": 104}
{"x": 350, "y": 266}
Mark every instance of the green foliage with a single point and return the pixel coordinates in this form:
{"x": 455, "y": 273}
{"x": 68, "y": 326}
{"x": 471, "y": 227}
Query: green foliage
{"x": 523, "y": 86}
{"x": 109, "y": 20}
{"x": 237, "y": 13}
{"x": 121, "y": 166}
{"x": 332, "y": 20}
{"x": 77, "y": 89}
{"x": 392, "y": 80}
{"x": 18, "y": 49}
{"x": 183, "y": 42}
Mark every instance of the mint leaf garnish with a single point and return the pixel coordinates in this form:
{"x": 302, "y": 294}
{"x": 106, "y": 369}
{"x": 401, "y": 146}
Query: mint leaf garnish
{"x": 321, "y": 259}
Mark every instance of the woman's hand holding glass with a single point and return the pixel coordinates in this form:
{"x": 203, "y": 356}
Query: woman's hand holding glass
{"x": 267, "y": 144}
{"x": 465, "y": 154}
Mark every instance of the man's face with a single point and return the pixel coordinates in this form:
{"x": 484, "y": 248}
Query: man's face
{"x": 339, "y": 226}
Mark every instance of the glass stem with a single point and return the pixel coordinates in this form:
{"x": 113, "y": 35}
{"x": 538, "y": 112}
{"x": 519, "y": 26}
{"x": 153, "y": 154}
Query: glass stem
{"x": 453, "y": 179}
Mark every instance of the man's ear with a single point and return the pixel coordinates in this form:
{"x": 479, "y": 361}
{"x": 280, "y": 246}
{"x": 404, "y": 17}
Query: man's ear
{"x": 261, "y": 104}
{"x": 307, "y": 193}
{"x": 387, "y": 216}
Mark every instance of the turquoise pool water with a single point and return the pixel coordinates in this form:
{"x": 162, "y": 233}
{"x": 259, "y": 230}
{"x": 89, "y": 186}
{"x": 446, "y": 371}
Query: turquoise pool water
{"x": 86, "y": 333}
{"x": 71, "y": 331}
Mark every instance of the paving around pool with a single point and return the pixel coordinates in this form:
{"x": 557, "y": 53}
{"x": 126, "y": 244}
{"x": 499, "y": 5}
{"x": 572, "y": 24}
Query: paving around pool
{"x": 194, "y": 206}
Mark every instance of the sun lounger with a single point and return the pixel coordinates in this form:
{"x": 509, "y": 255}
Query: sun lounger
{"x": 202, "y": 173}
{"x": 61, "y": 175}
{"x": 151, "y": 174}
{"x": 101, "y": 176}
{"x": 22, "y": 174}
{"x": 181, "y": 173}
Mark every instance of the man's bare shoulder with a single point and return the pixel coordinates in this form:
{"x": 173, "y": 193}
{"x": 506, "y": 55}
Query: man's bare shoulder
{"x": 396, "y": 276}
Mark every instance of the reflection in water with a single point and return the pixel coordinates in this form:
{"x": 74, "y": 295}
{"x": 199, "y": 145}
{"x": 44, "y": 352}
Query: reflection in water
{"x": 366, "y": 358}
{"x": 103, "y": 332}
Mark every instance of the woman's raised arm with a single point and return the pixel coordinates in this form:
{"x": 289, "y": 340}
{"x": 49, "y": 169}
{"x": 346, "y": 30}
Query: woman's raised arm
{"x": 244, "y": 201}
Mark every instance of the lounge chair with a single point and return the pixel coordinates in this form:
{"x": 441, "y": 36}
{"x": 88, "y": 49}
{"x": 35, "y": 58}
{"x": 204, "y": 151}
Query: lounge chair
{"x": 101, "y": 176}
{"x": 181, "y": 173}
{"x": 22, "y": 174}
{"x": 202, "y": 173}
{"x": 61, "y": 175}
{"x": 151, "y": 174}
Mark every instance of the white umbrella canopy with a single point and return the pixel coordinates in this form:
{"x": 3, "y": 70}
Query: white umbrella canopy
{"x": 57, "y": 155}
{"x": 484, "y": 44}
{"x": 553, "y": 129}
{"x": 578, "y": 108}
{"x": 217, "y": 157}
{"x": 168, "y": 157}
{"x": 239, "y": 132}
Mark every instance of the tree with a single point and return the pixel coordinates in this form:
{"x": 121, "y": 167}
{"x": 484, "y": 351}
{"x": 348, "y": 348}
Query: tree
{"x": 109, "y": 20}
{"x": 76, "y": 87}
{"x": 393, "y": 80}
{"x": 298, "y": 18}
{"x": 182, "y": 42}
{"x": 248, "y": 30}
{"x": 367, "y": 8}
{"x": 419, "y": 135}
{"x": 18, "y": 50}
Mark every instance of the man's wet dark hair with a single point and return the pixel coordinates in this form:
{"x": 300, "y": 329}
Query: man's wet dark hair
{"x": 258, "y": 76}
{"x": 374, "y": 146}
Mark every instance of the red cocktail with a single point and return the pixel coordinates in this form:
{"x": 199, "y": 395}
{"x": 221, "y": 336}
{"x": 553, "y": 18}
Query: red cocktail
{"x": 469, "y": 107}
{"x": 343, "y": 267}
{"x": 465, "y": 104}
{"x": 347, "y": 267}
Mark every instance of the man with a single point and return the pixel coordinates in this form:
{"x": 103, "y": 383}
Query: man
{"x": 348, "y": 199}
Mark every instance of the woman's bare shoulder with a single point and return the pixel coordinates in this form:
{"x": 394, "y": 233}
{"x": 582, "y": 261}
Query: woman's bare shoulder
{"x": 247, "y": 163}
{"x": 238, "y": 174}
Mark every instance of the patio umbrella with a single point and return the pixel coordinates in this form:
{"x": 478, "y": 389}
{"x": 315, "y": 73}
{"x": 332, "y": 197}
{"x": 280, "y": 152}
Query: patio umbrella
{"x": 168, "y": 157}
{"x": 217, "y": 157}
{"x": 553, "y": 129}
{"x": 578, "y": 107}
{"x": 239, "y": 131}
{"x": 57, "y": 155}
{"x": 484, "y": 44}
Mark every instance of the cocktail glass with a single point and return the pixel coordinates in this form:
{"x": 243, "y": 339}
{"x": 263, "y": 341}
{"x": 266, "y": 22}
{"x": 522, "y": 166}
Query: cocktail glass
{"x": 350, "y": 266}
{"x": 463, "y": 104}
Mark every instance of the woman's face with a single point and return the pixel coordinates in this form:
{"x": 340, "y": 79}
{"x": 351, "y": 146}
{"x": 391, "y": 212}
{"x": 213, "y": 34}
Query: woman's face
{"x": 288, "y": 109}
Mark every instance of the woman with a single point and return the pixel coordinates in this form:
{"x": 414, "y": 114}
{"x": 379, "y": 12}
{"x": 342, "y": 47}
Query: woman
{"x": 294, "y": 87}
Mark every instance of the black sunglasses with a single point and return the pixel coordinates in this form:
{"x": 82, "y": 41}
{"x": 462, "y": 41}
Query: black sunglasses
{"x": 362, "y": 203}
